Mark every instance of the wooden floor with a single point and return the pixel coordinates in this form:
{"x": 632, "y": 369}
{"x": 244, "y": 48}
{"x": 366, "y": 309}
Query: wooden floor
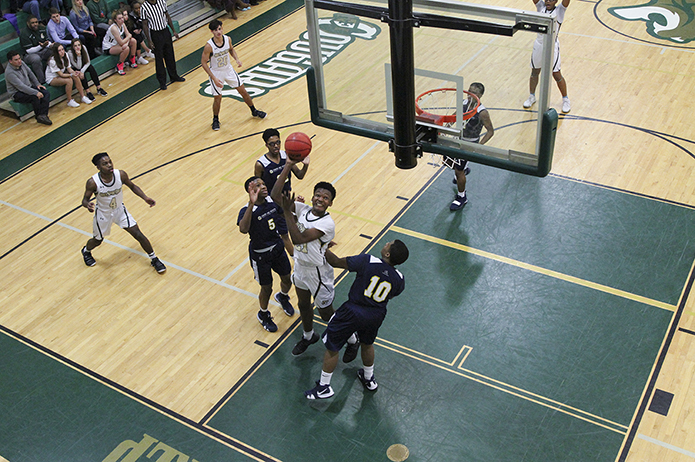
{"x": 182, "y": 339}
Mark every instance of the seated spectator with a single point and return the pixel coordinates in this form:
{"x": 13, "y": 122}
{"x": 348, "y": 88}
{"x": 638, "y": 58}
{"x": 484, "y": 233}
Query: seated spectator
{"x": 230, "y": 6}
{"x": 34, "y": 6}
{"x": 82, "y": 22}
{"x": 134, "y": 25}
{"x": 37, "y": 47}
{"x": 81, "y": 64}
{"x": 24, "y": 87}
{"x": 59, "y": 29}
{"x": 60, "y": 74}
{"x": 99, "y": 12}
{"x": 118, "y": 41}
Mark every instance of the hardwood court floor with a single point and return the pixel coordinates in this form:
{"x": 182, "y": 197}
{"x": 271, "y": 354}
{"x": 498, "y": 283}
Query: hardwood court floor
{"x": 183, "y": 340}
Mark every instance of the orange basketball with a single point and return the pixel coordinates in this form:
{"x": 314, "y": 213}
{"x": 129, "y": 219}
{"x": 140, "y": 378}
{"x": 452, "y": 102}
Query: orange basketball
{"x": 297, "y": 146}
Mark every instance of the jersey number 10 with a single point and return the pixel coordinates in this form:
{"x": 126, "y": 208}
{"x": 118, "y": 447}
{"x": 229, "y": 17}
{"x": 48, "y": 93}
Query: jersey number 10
{"x": 377, "y": 291}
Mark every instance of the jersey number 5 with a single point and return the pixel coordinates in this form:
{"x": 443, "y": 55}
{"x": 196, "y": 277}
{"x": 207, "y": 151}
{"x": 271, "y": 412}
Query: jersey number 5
{"x": 377, "y": 291}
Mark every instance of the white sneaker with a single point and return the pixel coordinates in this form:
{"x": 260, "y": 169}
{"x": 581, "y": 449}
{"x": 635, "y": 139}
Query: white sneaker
{"x": 566, "y": 107}
{"x": 530, "y": 101}
{"x": 86, "y": 100}
{"x": 142, "y": 60}
{"x": 73, "y": 103}
{"x": 148, "y": 54}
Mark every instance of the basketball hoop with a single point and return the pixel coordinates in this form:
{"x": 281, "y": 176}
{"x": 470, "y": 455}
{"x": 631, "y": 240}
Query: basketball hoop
{"x": 438, "y": 106}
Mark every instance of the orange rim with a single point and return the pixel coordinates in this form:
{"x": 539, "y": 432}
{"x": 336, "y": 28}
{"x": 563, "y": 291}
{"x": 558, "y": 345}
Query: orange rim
{"x": 449, "y": 118}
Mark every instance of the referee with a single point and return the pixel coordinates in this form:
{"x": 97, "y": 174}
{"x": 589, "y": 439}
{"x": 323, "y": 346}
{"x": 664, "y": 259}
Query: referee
{"x": 155, "y": 19}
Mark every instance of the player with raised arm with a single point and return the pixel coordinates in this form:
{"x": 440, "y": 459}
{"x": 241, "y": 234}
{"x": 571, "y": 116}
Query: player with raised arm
{"x": 470, "y": 132}
{"x": 556, "y": 10}
{"x": 377, "y": 282}
{"x": 261, "y": 220}
{"x": 311, "y": 234}
{"x": 217, "y": 52}
{"x": 107, "y": 186}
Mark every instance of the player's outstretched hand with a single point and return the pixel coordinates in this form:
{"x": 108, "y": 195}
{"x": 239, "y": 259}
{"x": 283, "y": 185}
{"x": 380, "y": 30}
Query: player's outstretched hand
{"x": 305, "y": 161}
{"x": 300, "y": 199}
{"x": 332, "y": 244}
{"x": 150, "y": 201}
{"x": 287, "y": 200}
{"x": 253, "y": 192}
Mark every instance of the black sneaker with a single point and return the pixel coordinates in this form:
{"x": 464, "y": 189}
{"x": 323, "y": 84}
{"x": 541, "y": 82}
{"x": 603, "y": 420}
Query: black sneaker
{"x": 259, "y": 114}
{"x": 369, "y": 384}
{"x": 303, "y": 344}
{"x": 284, "y": 301}
{"x": 88, "y": 259}
{"x": 215, "y": 123}
{"x": 458, "y": 203}
{"x": 266, "y": 321}
{"x": 102, "y": 92}
{"x": 158, "y": 265}
{"x": 319, "y": 392}
{"x": 90, "y": 96}
{"x": 351, "y": 351}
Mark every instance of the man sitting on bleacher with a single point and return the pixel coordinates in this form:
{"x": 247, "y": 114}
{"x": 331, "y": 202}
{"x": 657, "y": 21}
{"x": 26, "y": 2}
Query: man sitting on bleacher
{"x": 60, "y": 29}
{"x": 24, "y": 87}
{"x": 37, "y": 47}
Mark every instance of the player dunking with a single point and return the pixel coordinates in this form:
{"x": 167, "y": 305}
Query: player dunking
{"x": 471, "y": 132}
{"x": 377, "y": 282}
{"x": 260, "y": 219}
{"x": 217, "y": 51}
{"x": 311, "y": 235}
{"x": 557, "y": 12}
{"x": 107, "y": 185}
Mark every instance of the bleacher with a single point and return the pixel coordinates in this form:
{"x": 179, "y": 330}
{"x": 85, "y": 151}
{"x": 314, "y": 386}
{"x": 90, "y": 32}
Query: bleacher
{"x": 186, "y": 15}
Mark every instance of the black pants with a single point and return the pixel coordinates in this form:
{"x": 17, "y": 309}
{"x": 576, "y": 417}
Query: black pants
{"x": 93, "y": 74}
{"x": 164, "y": 58}
{"x": 40, "y": 104}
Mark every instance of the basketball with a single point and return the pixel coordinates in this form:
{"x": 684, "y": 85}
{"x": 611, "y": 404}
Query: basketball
{"x": 297, "y": 146}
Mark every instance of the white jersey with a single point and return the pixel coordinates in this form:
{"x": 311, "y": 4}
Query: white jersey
{"x": 219, "y": 60}
{"x": 109, "y": 39}
{"x": 558, "y": 15}
{"x": 109, "y": 196}
{"x": 313, "y": 252}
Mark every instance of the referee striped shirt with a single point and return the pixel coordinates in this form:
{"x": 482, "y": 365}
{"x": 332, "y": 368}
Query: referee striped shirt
{"x": 155, "y": 14}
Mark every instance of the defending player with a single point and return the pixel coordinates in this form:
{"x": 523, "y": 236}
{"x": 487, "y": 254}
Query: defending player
{"x": 471, "y": 132}
{"x": 311, "y": 235}
{"x": 217, "y": 51}
{"x": 557, "y": 12}
{"x": 107, "y": 185}
{"x": 269, "y": 166}
{"x": 377, "y": 282}
{"x": 260, "y": 219}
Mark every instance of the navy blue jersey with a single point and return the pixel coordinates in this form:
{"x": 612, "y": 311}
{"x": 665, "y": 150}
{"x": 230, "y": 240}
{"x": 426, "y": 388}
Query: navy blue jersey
{"x": 272, "y": 170}
{"x": 266, "y": 225}
{"x": 376, "y": 282}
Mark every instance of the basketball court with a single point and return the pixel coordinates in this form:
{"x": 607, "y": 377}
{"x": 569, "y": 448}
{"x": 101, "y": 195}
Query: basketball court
{"x": 539, "y": 323}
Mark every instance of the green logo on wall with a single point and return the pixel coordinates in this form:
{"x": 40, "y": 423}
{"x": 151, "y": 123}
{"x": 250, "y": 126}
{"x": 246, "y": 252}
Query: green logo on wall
{"x": 336, "y": 34}
{"x": 672, "y": 20}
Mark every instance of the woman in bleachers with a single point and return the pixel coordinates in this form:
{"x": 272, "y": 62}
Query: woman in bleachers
{"x": 82, "y": 65}
{"x": 137, "y": 35}
{"x": 119, "y": 41}
{"x": 60, "y": 74}
{"x": 82, "y": 22}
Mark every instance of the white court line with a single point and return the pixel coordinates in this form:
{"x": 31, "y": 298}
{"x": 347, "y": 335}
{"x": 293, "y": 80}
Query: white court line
{"x": 667, "y": 446}
{"x": 633, "y": 42}
{"x": 137, "y": 252}
{"x": 463, "y": 66}
{"x": 241, "y": 265}
{"x": 5, "y": 130}
{"x": 358, "y": 159}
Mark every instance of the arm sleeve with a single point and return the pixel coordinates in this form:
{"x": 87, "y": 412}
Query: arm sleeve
{"x": 71, "y": 29}
{"x": 356, "y": 262}
{"x": 75, "y": 23}
{"x": 241, "y": 215}
{"x": 14, "y": 80}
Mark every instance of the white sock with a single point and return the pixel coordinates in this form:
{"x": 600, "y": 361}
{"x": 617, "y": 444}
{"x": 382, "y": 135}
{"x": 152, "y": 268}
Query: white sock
{"x": 326, "y": 378}
{"x": 308, "y": 335}
{"x": 152, "y": 255}
{"x": 369, "y": 372}
{"x": 462, "y": 194}
{"x": 353, "y": 339}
